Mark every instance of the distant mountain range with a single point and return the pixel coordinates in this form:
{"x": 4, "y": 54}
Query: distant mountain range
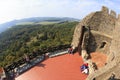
{"x": 34, "y": 20}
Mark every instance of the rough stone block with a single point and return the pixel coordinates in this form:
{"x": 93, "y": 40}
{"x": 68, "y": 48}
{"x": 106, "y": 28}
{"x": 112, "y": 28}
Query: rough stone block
{"x": 113, "y": 13}
{"x": 84, "y": 55}
{"x": 105, "y": 10}
{"x": 104, "y": 28}
{"x": 118, "y": 17}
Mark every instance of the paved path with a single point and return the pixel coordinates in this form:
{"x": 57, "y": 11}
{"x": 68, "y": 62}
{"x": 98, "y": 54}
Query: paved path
{"x": 64, "y": 67}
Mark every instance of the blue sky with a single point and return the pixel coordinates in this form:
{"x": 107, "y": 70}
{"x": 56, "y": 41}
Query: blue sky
{"x": 18, "y": 9}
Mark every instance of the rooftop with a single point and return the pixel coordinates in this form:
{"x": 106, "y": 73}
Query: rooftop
{"x": 64, "y": 67}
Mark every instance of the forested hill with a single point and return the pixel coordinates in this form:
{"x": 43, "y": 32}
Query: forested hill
{"x": 35, "y": 20}
{"x": 22, "y": 39}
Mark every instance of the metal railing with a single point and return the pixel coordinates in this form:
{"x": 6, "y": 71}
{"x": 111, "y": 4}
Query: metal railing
{"x": 20, "y": 66}
{"x": 58, "y": 53}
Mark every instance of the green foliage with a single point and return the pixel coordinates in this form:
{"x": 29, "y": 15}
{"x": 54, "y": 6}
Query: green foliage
{"x": 28, "y": 38}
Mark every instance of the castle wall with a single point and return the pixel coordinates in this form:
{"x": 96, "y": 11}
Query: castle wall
{"x": 78, "y": 30}
{"x": 102, "y": 24}
{"x": 105, "y": 10}
{"x": 113, "y": 65}
{"x": 113, "y": 13}
{"x": 104, "y": 37}
{"x": 115, "y": 44}
{"x": 99, "y": 43}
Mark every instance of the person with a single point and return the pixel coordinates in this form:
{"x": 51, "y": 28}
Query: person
{"x": 85, "y": 71}
{"x": 47, "y": 55}
{"x": 86, "y": 65}
{"x": 27, "y": 59}
{"x": 84, "y": 68}
{"x": 12, "y": 75}
{"x": 70, "y": 51}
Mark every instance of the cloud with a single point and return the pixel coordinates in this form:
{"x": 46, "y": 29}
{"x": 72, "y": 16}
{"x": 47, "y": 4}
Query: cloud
{"x": 16, "y": 9}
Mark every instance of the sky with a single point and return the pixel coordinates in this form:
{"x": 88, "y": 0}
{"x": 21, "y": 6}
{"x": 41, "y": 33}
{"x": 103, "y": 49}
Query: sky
{"x": 18, "y": 9}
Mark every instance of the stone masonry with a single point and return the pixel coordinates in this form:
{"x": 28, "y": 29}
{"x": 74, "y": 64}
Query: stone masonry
{"x": 102, "y": 35}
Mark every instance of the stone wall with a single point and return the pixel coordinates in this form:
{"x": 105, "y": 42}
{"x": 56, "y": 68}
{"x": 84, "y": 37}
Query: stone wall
{"x": 100, "y": 22}
{"x": 105, "y": 10}
{"x": 113, "y": 13}
{"x": 78, "y": 30}
{"x": 99, "y": 43}
{"x": 113, "y": 64}
{"x": 115, "y": 44}
{"x": 107, "y": 74}
{"x": 103, "y": 73}
{"x": 104, "y": 37}
{"x": 103, "y": 23}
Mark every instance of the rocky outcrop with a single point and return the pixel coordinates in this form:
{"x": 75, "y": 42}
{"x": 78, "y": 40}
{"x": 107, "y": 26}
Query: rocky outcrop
{"x": 104, "y": 34}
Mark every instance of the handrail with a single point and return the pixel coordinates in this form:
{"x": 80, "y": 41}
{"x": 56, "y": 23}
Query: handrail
{"x": 26, "y": 66}
{"x": 34, "y": 55}
{"x": 57, "y": 53}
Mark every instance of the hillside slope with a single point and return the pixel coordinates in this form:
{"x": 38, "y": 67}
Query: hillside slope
{"x": 22, "y": 39}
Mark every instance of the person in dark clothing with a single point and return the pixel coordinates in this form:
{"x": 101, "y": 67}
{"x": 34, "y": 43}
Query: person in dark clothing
{"x": 84, "y": 67}
{"x": 70, "y": 50}
{"x": 27, "y": 59}
{"x": 34, "y": 54}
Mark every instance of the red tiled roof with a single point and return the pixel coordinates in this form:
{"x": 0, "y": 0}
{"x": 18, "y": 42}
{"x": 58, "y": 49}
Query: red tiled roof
{"x": 65, "y": 67}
